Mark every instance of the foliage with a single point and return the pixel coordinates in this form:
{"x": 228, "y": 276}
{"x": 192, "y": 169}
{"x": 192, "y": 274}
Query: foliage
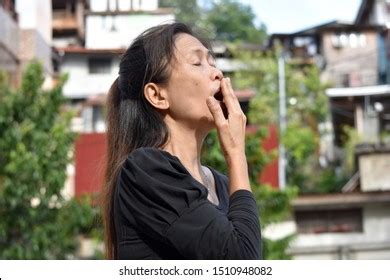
{"x": 227, "y": 20}
{"x": 185, "y": 11}
{"x": 37, "y": 221}
{"x": 233, "y": 21}
{"x": 277, "y": 250}
{"x": 300, "y": 144}
{"x": 352, "y": 138}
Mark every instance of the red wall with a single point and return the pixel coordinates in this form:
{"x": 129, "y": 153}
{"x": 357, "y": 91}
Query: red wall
{"x": 90, "y": 163}
{"x": 270, "y": 174}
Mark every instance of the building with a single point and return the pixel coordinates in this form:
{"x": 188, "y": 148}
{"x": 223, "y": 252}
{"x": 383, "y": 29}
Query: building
{"x": 340, "y": 50}
{"x": 89, "y": 37}
{"x": 25, "y": 36}
{"x": 352, "y": 225}
{"x": 9, "y": 41}
{"x": 355, "y": 58}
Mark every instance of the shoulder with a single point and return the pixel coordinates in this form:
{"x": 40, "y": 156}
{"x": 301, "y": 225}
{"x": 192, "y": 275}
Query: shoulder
{"x": 151, "y": 159}
{"x": 150, "y": 175}
{"x": 148, "y": 167}
{"x": 144, "y": 153}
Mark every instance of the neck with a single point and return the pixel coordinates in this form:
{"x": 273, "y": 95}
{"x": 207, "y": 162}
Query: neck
{"x": 186, "y": 144}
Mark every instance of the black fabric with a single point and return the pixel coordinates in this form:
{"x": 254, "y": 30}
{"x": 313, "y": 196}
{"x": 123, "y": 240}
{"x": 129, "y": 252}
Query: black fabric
{"x": 162, "y": 212}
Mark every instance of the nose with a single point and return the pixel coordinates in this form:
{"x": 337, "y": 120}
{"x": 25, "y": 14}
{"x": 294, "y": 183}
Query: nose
{"x": 217, "y": 74}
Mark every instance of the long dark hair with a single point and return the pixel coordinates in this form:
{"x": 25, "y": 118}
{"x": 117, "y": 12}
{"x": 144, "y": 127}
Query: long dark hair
{"x": 131, "y": 121}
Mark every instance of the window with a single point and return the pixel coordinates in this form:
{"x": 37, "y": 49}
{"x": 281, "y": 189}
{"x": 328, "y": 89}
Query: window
{"x": 336, "y": 220}
{"x": 344, "y": 80}
{"x": 353, "y": 40}
{"x": 99, "y": 65}
{"x": 98, "y": 118}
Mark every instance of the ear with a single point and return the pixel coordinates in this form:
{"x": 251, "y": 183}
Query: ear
{"x": 156, "y": 96}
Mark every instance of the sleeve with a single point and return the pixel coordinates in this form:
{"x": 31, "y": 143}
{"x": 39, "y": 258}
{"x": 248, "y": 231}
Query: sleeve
{"x": 169, "y": 207}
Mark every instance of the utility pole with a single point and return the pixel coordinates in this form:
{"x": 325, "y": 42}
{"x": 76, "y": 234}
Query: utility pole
{"x": 282, "y": 120}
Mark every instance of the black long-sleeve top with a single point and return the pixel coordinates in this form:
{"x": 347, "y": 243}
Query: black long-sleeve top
{"x": 162, "y": 212}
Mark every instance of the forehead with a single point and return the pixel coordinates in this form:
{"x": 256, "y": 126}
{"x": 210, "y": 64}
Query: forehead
{"x": 186, "y": 44}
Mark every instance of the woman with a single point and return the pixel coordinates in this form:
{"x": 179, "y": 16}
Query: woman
{"x": 161, "y": 203}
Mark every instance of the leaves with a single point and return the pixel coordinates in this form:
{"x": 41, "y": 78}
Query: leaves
{"x": 234, "y": 21}
{"x": 37, "y": 222}
{"x": 227, "y": 20}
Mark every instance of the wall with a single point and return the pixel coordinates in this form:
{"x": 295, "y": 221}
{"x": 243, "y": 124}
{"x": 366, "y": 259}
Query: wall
{"x": 270, "y": 174}
{"x": 360, "y": 62}
{"x": 80, "y": 83}
{"x": 123, "y": 5}
{"x": 89, "y": 163}
{"x": 372, "y": 243}
{"x": 374, "y": 172}
{"x": 9, "y": 45}
{"x": 36, "y": 14}
{"x": 33, "y": 46}
{"x": 100, "y": 33}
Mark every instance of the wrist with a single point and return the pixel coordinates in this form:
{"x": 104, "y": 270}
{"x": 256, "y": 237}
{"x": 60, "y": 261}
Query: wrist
{"x": 235, "y": 157}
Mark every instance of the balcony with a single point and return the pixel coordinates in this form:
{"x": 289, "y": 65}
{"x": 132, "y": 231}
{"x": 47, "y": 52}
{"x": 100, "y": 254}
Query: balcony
{"x": 64, "y": 20}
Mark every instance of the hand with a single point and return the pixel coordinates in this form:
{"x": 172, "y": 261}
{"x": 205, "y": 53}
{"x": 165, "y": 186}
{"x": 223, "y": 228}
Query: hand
{"x": 231, "y": 130}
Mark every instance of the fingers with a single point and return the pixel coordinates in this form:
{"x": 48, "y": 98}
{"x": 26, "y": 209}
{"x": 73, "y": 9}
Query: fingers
{"x": 216, "y": 111}
{"x": 231, "y": 129}
{"x": 229, "y": 97}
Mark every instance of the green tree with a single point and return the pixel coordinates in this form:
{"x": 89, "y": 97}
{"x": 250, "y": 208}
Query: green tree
{"x": 187, "y": 11}
{"x": 226, "y": 20}
{"x": 231, "y": 21}
{"x": 37, "y": 222}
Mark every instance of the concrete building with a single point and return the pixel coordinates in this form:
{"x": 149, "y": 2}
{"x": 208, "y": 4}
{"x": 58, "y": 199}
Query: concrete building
{"x": 355, "y": 58}
{"x": 25, "y": 34}
{"x": 90, "y": 37}
{"x": 35, "y": 33}
{"x": 351, "y": 225}
{"x": 9, "y": 41}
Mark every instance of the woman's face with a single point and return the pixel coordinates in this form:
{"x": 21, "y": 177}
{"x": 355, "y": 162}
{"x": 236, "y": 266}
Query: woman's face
{"x": 194, "y": 77}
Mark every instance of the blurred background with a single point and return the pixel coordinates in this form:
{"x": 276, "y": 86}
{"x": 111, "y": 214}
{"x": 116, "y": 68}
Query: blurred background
{"x": 312, "y": 77}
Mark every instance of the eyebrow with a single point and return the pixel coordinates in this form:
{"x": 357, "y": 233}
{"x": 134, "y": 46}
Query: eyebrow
{"x": 198, "y": 50}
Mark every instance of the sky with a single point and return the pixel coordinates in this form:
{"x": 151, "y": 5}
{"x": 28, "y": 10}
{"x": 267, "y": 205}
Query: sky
{"x": 286, "y": 16}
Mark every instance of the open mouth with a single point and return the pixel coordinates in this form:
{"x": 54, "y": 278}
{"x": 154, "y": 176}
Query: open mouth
{"x": 219, "y": 96}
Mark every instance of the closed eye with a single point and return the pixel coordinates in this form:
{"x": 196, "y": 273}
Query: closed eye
{"x": 199, "y": 64}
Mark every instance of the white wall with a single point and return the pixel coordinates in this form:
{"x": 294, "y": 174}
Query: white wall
{"x": 123, "y": 5}
{"x": 36, "y": 14}
{"x": 99, "y": 33}
{"x": 82, "y": 84}
{"x": 372, "y": 243}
